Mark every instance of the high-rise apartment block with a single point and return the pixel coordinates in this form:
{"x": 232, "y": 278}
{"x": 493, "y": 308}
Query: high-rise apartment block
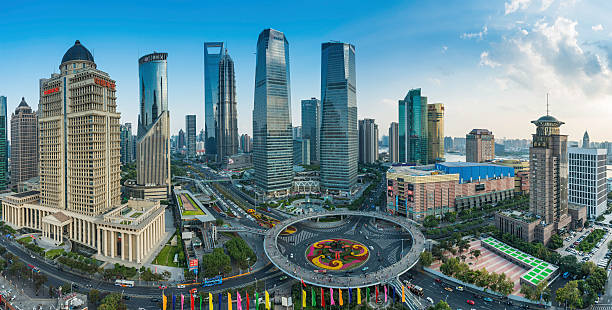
{"x": 272, "y": 136}
{"x": 413, "y": 138}
{"x": 213, "y": 52}
{"x": 190, "y": 135}
{"x": 80, "y": 170}
{"x": 311, "y": 125}
{"x": 479, "y": 146}
{"x": 368, "y": 141}
{"x": 4, "y": 151}
{"x": 339, "y": 138}
{"x": 245, "y": 143}
{"x": 127, "y": 154}
{"x": 394, "y": 142}
{"x": 435, "y": 132}
{"x": 587, "y": 180}
{"x": 226, "y": 118}
{"x": 24, "y": 144}
{"x": 181, "y": 143}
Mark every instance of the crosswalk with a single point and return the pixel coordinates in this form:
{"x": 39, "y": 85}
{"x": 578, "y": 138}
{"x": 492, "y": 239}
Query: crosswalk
{"x": 299, "y": 237}
{"x": 602, "y": 307}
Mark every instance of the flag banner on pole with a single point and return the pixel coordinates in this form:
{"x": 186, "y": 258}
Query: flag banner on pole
{"x": 350, "y": 293}
{"x": 201, "y": 299}
{"x": 191, "y": 297}
{"x": 322, "y": 298}
{"x": 229, "y": 301}
{"x": 303, "y": 299}
{"x": 358, "y": 296}
{"x": 248, "y": 301}
{"x": 238, "y": 301}
{"x": 210, "y": 301}
{"x": 376, "y": 288}
{"x": 173, "y": 301}
{"x": 368, "y": 294}
{"x": 164, "y": 301}
{"x": 393, "y": 294}
{"x": 220, "y": 300}
{"x": 256, "y": 301}
{"x": 313, "y": 297}
{"x": 331, "y": 297}
{"x": 267, "y": 300}
{"x": 403, "y": 296}
{"x": 385, "y": 293}
{"x": 340, "y": 297}
{"x": 304, "y": 284}
{"x": 182, "y": 301}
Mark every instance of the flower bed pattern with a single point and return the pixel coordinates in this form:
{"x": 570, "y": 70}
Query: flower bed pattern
{"x": 337, "y": 254}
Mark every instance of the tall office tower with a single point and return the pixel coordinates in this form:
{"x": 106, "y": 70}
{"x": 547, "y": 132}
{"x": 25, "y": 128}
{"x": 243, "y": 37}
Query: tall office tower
{"x": 297, "y": 132}
{"x": 4, "y": 148}
{"x": 394, "y": 142}
{"x": 301, "y": 151}
{"x": 339, "y": 144}
{"x": 548, "y": 170}
{"x": 181, "y": 140}
{"x": 24, "y": 144}
{"x": 79, "y": 137}
{"x": 201, "y": 136}
{"x": 226, "y": 112}
{"x": 311, "y": 125}
{"x": 587, "y": 180}
{"x": 245, "y": 143}
{"x": 272, "y": 136}
{"x": 190, "y": 126}
{"x": 213, "y": 52}
{"x": 413, "y": 137}
{"x": 153, "y": 145}
{"x": 368, "y": 141}
{"x": 127, "y": 142}
{"x": 435, "y": 132}
{"x": 479, "y": 146}
{"x": 585, "y": 140}
{"x": 448, "y": 143}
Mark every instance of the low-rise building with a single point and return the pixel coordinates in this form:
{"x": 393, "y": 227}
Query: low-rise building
{"x": 521, "y": 173}
{"x": 578, "y": 215}
{"x": 516, "y": 223}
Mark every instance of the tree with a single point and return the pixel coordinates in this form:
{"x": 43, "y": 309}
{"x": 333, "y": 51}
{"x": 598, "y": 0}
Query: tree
{"x": 555, "y": 242}
{"x": 430, "y": 221}
{"x": 93, "y": 296}
{"x": 610, "y": 244}
{"x": 463, "y": 245}
{"x": 476, "y": 254}
{"x": 441, "y": 305}
{"x": 426, "y": 258}
{"x": 450, "y": 217}
{"x": 39, "y": 280}
{"x": 51, "y": 291}
{"x": 111, "y": 302}
{"x": 570, "y": 295}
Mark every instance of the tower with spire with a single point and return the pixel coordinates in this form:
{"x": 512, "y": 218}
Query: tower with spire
{"x": 586, "y": 142}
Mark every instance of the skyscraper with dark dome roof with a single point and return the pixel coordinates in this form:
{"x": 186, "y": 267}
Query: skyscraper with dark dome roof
{"x": 24, "y": 145}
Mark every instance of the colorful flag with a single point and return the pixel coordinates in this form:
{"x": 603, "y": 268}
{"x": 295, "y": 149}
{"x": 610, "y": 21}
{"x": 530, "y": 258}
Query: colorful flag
{"x": 303, "y": 299}
{"x": 267, "y": 300}
{"x": 340, "y": 297}
{"x": 331, "y": 296}
{"x": 192, "y": 300}
{"x": 182, "y": 301}
{"x": 322, "y": 298}
{"x": 248, "y": 301}
{"x": 350, "y": 293}
{"x": 256, "y": 301}
{"x": 220, "y": 300}
{"x": 229, "y": 301}
{"x": 394, "y": 295}
{"x": 173, "y": 301}
{"x": 376, "y": 288}
{"x": 238, "y": 301}
{"x": 304, "y": 284}
{"x": 403, "y": 296}
{"x": 358, "y": 296}
{"x": 210, "y": 301}
{"x": 314, "y": 298}
{"x": 385, "y": 293}
{"x": 201, "y": 298}
{"x": 164, "y": 301}
{"x": 368, "y": 294}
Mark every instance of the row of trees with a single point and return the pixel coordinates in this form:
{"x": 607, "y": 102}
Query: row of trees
{"x": 216, "y": 263}
{"x": 240, "y": 252}
{"x": 583, "y": 293}
{"x": 482, "y": 278}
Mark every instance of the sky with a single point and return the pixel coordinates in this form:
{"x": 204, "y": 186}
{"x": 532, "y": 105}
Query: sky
{"x": 491, "y": 62}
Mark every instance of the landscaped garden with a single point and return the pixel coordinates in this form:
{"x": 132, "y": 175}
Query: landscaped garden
{"x": 188, "y": 206}
{"x": 337, "y": 254}
{"x": 591, "y": 240}
{"x": 166, "y": 256}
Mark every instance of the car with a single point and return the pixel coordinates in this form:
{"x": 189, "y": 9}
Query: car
{"x": 448, "y": 289}
{"x": 470, "y": 302}
{"x": 438, "y": 280}
{"x": 32, "y": 256}
{"x": 487, "y": 299}
{"x": 459, "y": 288}
{"x": 365, "y": 268}
{"x": 154, "y": 299}
{"x": 127, "y": 297}
{"x": 430, "y": 300}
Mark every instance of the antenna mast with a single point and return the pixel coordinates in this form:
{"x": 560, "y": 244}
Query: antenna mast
{"x": 547, "y": 104}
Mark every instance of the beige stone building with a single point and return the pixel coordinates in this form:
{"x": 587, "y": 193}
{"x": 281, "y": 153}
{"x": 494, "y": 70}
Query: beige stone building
{"x": 479, "y": 146}
{"x": 24, "y": 145}
{"x": 79, "y": 198}
{"x": 435, "y": 131}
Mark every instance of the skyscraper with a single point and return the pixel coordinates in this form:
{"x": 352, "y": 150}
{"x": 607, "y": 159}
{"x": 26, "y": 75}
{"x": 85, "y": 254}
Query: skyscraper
{"x": 311, "y": 125}
{"x": 339, "y": 139}
{"x": 301, "y": 151}
{"x": 368, "y": 141}
{"x": 213, "y": 52}
{"x": 153, "y": 145}
{"x": 181, "y": 140}
{"x": 587, "y": 180}
{"x": 394, "y": 142}
{"x": 24, "y": 144}
{"x": 127, "y": 149}
{"x": 548, "y": 169}
{"x": 3, "y": 145}
{"x": 190, "y": 135}
{"x": 585, "y": 140}
{"x": 272, "y": 136}
{"x": 413, "y": 137}
{"x": 226, "y": 112}
{"x": 479, "y": 146}
{"x": 435, "y": 131}
{"x": 245, "y": 143}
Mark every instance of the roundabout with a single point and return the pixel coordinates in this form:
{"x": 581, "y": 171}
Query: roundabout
{"x": 366, "y": 249}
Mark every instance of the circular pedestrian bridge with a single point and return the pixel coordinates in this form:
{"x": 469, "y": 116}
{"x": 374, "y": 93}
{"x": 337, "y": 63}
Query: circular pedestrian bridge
{"x": 366, "y": 239}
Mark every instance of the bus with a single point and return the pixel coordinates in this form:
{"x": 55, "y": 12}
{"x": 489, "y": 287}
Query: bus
{"x": 212, "y": 281}
{"x": 416, "y": 290}
{"x": 33, "y": 268}
{"x": 566, "y": 275}
{"x": 124, "y": 283}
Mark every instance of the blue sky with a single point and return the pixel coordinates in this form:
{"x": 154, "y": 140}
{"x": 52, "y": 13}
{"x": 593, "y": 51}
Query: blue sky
{"x": 490, "y": 62}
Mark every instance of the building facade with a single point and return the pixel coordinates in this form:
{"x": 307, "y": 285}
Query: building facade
{"x": 181, "y": 143}
{"x": 368, "y": 141}
{"x": 311, "y": 126}
{"x": 4, "y": 151}
{"x": 587, "y": 180}
{"x": 586, "y": 141}
{"x": 394, "y": 142}
{"x": 479, "y": 146}
{"x": 435, "y": 132}
{"x": 521, "y": 173}
{"x": 245, "y": 143}
{"x": 127, "y": 141}
{"x": 24, "y": 144}
{"x": 413, "y": 138}
{"x": 301, "y": 151}
{"x": 272, "y": 129}
{"x": 226, "y": 113}
{"x": 339, "y": 138}
{"x": 213, "y": 52}
{"x": 79, "y": 196}
{"x": 190, "y": 135}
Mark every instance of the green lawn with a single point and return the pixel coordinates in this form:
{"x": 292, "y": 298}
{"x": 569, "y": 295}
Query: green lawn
{"x": 166, "y": 256}
{"x": 52, "y": 254}
{"x": 25, "y": 240}
{"x": 136, "y": 214}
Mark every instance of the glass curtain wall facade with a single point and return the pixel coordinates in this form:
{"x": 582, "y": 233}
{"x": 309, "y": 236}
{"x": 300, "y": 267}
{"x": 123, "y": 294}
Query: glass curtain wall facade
{"x": 311, "y": 125}
{"x": 272, "y": 130}
{"x": 339, "y": 136}
{"x": 4, "y": 180}
{"x": 413, "y": 136}
{"x": 190, "y": 136}
{"x": 213, "y": 51}
{"x": 227, "y": 114}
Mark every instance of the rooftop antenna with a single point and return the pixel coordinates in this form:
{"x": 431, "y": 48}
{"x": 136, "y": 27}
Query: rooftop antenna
{"x": 547, "y": 104}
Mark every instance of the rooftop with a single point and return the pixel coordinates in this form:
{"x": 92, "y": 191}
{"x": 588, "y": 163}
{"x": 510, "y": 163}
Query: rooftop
{"x": 77, "y": 52}
{"x": 517, "y": 215}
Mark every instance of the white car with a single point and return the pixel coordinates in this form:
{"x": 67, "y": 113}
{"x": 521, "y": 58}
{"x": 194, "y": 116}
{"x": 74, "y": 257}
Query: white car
{"x": 430, "y": 300}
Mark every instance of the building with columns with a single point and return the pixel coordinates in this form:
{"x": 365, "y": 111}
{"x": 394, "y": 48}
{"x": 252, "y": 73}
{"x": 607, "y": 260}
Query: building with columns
{"x": 79, "y": 197}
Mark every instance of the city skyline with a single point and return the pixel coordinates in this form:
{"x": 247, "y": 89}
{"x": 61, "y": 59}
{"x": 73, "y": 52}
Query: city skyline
{"x": 482, "y": 49}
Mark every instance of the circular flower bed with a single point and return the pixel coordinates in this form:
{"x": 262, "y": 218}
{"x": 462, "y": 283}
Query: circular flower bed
{"x": 337, "y": 254}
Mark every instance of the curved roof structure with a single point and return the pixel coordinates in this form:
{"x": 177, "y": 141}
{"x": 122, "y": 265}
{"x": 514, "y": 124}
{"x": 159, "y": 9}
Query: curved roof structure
{"x": 77, "y": 52}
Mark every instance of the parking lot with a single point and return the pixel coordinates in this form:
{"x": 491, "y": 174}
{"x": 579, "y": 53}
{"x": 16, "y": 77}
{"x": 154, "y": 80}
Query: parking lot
{"x": 598, "y": 255}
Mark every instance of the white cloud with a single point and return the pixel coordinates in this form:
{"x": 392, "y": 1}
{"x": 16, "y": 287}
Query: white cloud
{"x": 486, "y": 62}
{"x": 546, "y": 4}
{"x": 597, "y": 27}
{"x": 515, "y": 5}
{"x": 444, "y": 49}
{"x": 476, "y": 35}
{"x": 524, "y": 32}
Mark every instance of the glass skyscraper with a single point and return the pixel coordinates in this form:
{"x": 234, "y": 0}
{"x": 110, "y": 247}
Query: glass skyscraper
{"x": 190, "y": 136}
{"x": 213, "y": 51}
{"x": 339, "y": 137}
{"x": 227, "y": 114}
{"x": 3, "y": 145}
{"x": 413, "y": 136}
{"x": 311, "y": 125}
{"x": 272, "y": 131}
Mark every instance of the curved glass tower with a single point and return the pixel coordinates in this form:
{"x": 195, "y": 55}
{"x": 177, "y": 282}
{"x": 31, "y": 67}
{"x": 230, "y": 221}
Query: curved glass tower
{"x": 272, "y": 131}
{"x": 153, "y": 145}
{"x": 213, "y": 51}
{"x": 227, "y": 121}
{"x": 339, "y": 137}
